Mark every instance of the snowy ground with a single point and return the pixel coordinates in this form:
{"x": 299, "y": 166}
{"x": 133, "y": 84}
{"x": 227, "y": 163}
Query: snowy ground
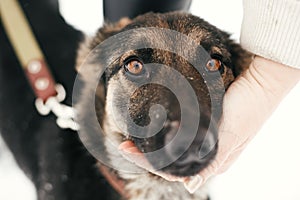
{"x": 269, "y": 167}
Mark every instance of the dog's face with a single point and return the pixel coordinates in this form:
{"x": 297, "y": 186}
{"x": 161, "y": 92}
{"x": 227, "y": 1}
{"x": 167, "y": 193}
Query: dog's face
{"x": 131, "y": 85}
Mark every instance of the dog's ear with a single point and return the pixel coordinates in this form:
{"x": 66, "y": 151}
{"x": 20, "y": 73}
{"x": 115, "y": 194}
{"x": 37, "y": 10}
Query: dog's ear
{"x": 103, "y": 33}
{"x": 240, "y": 58}
{"x": 109, "y": 30}
{"x": 87, "y": 69}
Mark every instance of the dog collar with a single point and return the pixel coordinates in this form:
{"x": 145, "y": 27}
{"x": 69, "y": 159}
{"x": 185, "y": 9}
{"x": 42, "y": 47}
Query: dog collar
{"x": 49, "y": 94}
{"x": 113, "y": 179}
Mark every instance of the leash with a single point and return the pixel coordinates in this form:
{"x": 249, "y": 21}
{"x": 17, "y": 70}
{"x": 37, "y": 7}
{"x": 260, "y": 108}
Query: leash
{"x": 49, "y": 94}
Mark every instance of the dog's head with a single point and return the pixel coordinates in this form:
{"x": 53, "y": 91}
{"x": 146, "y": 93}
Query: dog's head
{"x": 137, "y": 80}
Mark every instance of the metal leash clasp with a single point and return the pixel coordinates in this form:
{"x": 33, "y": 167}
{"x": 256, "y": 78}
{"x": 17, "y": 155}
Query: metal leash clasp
{"x": 65, "y": 114}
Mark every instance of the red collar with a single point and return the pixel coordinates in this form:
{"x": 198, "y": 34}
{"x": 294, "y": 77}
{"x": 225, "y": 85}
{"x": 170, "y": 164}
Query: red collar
{"x": 113, "y": 179}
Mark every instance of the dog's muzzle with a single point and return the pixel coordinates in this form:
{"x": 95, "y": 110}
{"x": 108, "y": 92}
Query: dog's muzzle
{"x": 179, "y": 150}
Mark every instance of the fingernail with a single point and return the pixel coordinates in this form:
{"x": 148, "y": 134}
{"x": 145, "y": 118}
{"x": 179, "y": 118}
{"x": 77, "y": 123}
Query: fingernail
{"x": 193, "y": 184}
{"x": 130, "y": 150}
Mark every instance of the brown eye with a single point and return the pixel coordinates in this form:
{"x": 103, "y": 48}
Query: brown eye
{"x": 134, "y": 67}
{"x": 213, "y": 65}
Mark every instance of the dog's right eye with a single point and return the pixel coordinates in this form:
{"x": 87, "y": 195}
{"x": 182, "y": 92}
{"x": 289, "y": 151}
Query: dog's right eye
{"x": 134, "y": 66}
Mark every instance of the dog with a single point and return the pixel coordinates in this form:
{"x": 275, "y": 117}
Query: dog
{"x": 54, "y": 159}
{"x": 120, "y": 86}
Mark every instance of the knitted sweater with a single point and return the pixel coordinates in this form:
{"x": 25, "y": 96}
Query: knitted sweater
{"x": 271, "y": 29}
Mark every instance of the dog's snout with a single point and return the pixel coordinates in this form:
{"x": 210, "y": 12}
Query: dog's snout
{"x": 183, "y": 143}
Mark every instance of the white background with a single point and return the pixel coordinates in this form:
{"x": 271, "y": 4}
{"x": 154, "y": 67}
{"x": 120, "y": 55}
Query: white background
{"x": 269, "y": 169}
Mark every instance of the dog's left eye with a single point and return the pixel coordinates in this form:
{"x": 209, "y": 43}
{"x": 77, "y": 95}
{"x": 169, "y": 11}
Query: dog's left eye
{"x": 134, "y": 66}
{"x": 213, "y": 65}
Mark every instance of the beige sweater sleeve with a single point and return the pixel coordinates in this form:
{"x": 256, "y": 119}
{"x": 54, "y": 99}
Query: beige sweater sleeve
{"x": 271, "y": 29}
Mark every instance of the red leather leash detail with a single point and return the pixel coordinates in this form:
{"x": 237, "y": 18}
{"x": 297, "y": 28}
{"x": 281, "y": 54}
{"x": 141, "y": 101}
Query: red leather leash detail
{"x": 40, "y": 79}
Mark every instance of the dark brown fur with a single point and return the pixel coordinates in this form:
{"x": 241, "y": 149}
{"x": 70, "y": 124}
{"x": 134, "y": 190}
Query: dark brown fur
{"x": 115, "y": 79}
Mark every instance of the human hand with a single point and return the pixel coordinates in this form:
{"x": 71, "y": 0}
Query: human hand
{"x": 248, "y": 103}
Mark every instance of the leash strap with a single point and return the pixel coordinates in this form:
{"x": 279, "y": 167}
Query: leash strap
{"x": 49, "y": 94}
